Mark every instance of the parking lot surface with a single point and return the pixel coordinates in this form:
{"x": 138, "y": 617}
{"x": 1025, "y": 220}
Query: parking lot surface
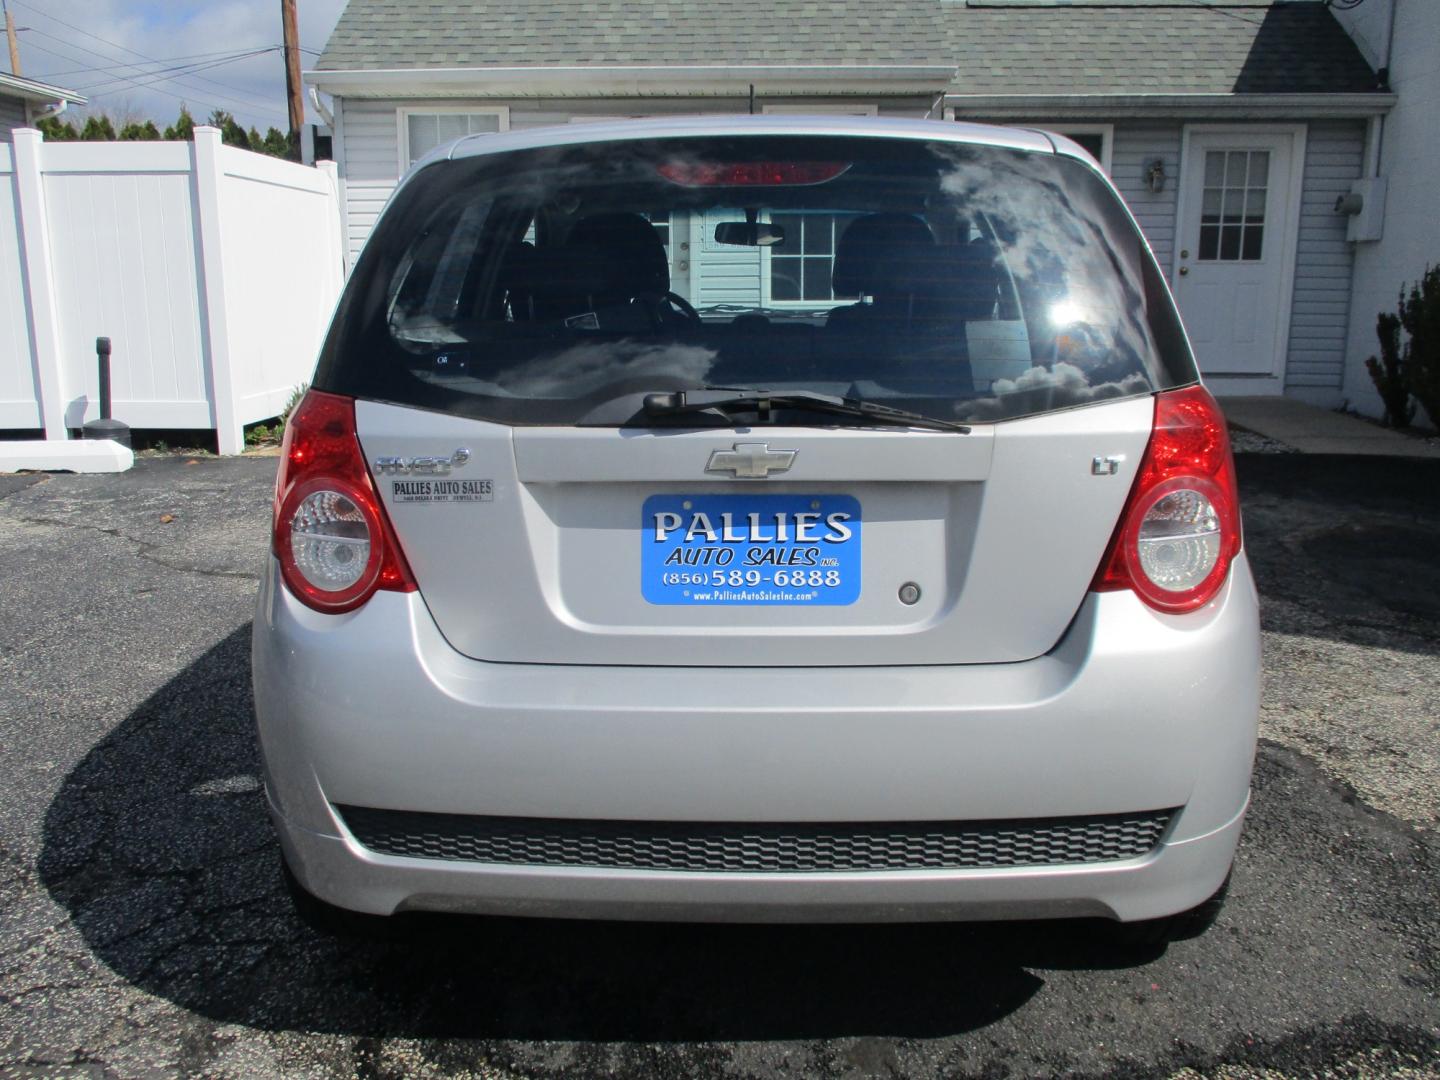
{"x": 145, "y": 930}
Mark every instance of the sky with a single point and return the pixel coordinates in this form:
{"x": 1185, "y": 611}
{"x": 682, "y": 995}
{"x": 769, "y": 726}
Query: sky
{"x": 141, "y": 60}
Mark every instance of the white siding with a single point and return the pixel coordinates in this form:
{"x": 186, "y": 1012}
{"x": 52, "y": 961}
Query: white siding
{"x": 12, "y": 115}
{"x": 1320, "y": 316}
{"x": 1135, "y": 146}
{"x": 371, "y": 163}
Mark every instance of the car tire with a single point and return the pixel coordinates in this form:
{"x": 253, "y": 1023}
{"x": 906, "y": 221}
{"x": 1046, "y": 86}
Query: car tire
{"x": 330, "y": 920}
{"x": 1180, "y": 927}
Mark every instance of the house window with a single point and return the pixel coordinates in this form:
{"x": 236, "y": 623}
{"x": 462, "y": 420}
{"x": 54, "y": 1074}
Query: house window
{"x": 1232, "y": 214}
{"x": 1095, "y": 139}
{"x": 829, "y": 109}
{"x": 422, "y": 130}
{"x": 802, "y": 265}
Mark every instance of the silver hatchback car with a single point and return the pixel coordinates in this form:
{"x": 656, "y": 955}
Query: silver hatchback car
{"x": 758, "y": 518}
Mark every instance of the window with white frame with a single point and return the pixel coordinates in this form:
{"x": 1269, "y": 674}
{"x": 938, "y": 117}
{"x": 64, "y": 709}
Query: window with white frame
{"x": 800, "y": 268}
{"x": 421, "y": 130}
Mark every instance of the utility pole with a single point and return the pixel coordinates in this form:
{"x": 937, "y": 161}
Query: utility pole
{"x": 14, "y": 45}
{"x": 291, "y": 22}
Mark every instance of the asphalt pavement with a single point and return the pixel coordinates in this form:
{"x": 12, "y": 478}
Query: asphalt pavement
{"x": 145, "y": 930}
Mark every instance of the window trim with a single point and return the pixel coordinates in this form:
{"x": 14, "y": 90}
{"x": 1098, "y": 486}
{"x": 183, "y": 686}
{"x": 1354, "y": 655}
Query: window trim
{"x": 404, "y": 112}
{"x": 1105, "y": 131}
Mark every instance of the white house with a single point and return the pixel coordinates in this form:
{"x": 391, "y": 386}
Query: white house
{"x": 1232, "y": 127}
{"x": 24, "y": 102}
{"x": 1400, "y": 39}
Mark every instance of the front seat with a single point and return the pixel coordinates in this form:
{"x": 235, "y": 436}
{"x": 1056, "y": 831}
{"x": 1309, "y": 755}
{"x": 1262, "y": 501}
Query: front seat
{"x": 606, "y": 261}
{"x": 875, "y": 257}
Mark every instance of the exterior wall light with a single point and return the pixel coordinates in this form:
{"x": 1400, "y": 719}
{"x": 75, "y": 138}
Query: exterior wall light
{"x": 1155, "y": 176}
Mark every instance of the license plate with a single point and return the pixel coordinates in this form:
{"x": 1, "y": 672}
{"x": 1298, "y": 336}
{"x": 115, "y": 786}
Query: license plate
{"x": 795, "y": 550}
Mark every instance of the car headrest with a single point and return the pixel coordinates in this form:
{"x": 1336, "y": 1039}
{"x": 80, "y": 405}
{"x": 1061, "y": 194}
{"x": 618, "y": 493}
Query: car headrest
{"x": 625, "y": 249}
{"x": 873, "y": 244}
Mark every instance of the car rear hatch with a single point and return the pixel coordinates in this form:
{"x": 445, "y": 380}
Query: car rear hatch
{"x": 999, "y": 531}
{"x": 931, "y": 365}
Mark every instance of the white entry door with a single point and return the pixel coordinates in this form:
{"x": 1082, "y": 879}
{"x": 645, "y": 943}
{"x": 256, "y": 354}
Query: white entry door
{"x": 1235, "y": 247}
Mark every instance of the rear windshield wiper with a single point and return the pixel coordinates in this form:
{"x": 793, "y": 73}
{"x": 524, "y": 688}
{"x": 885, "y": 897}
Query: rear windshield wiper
{"x": 728, "y": 399}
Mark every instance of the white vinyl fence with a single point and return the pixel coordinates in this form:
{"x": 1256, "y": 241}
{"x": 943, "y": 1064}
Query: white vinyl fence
{"x": 213, "y": 271}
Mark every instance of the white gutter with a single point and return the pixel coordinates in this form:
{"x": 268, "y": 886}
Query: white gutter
{"x": 654, "y": 80}
{"x": 1179, "y": 106}
{"x": 34, "y": 91}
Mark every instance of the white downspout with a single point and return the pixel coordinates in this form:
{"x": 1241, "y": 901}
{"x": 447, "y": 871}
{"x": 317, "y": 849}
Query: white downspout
{"x": 51, "y": 110}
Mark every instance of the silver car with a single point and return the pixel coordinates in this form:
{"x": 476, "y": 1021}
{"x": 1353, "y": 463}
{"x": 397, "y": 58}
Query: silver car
{"x": 758, "y": 518}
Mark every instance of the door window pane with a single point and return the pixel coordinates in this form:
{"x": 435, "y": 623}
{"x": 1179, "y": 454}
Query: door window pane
{"x": 1232, "y": 205}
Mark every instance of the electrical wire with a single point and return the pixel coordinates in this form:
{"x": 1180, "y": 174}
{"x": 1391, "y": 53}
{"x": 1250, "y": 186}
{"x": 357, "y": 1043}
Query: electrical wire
{"x": 141, "y": 63}
{"x": 229, "y": 88}
{"x": 150, "y": 78}
{"x": 214, "y": 101}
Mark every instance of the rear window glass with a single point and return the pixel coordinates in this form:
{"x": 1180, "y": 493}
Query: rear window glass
{"x": 560, "y": 285}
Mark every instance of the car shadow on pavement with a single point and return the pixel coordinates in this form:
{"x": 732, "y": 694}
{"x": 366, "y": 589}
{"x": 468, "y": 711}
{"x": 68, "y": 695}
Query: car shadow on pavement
{"x": 159, "y": 847}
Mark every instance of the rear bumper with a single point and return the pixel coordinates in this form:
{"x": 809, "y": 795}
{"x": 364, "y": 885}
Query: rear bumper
{"x": 1133, "y": 711}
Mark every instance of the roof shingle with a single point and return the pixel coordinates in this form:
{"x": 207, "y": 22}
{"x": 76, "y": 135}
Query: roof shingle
{"x": 999, "y": 46}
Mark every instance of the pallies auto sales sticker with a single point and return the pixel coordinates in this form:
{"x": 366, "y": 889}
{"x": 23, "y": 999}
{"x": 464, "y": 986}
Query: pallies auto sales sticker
{"x": 438, "y": 491}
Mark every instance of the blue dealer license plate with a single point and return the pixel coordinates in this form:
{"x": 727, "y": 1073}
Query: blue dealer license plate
{"x": 750, "y": 549}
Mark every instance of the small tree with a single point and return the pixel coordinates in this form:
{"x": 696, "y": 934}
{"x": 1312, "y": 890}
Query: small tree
{"x": 1412, "y": 366}
{"x": 146, "y": 132}
{"x": 56, "y": 130}
{"x": 98, "y": 129}
{"x": 184, "y": 126}
{"x": 1420, "y": 316}
{"x": 231, "y": 133}
{"x": 281, "y": 145}
{"x": 1388, "y": 374}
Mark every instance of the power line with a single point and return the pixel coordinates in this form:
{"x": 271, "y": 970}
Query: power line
{"x": 150, "y": 78}
{"x": 208, "y": 99}
{"x": 237, "y": 98}
{"x": 141, "y": 64}
{"x": 123, "y": 48}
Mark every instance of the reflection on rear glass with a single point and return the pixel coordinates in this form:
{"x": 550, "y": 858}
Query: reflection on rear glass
{"x": 947, "y": 279}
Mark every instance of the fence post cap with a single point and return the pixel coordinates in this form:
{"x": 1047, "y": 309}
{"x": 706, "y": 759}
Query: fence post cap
{"x": 102, "y": 345}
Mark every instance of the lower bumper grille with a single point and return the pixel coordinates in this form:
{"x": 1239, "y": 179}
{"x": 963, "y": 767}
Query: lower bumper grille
{"x": 758, "y": 848}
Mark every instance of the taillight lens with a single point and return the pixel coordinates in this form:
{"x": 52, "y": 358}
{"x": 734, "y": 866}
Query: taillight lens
{"x": 331, "y": 535}
{"x": 1181, "y": 526}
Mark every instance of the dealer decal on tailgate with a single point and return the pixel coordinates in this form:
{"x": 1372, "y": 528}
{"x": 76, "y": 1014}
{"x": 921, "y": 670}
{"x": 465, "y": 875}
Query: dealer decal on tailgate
{"x": 750, "y": 549}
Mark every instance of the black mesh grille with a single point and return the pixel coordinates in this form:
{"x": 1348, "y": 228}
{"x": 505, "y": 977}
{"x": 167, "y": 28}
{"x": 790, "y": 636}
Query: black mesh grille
{"x": 746, "y": 847}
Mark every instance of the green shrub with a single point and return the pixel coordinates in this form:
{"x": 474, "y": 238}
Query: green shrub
{"x": 1388, "y": 374}
{"x": 1410, "y": 368}
{"x": 1420, "y": 315}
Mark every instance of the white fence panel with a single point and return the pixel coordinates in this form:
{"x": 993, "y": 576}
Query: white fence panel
{"x": 19, "y": 400}
{"x": 122, "y": 237}
{"x": 282, "y": 219}
{"x": 212, "y": 270}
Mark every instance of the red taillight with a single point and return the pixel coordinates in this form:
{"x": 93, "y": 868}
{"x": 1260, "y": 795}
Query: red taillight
{"x": 750, "y": 173}
{"x": 331, "y": 534}
{"x": 1181, "y": 526}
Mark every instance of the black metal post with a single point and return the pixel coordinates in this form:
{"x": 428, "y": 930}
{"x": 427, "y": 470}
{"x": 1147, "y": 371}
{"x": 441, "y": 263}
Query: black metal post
{"x": 106, "y": 427}
{"x": 102, "y": 350}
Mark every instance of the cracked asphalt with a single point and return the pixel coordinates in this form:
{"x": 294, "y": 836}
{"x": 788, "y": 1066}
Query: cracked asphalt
{"x": 146, "y": 933}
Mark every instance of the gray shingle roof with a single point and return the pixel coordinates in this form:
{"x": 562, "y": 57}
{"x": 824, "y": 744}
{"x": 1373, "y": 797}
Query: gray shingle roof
{"x": 999, "y": 46}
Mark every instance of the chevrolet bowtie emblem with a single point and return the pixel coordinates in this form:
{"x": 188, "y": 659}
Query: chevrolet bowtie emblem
{"x": 751, "y": 461}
